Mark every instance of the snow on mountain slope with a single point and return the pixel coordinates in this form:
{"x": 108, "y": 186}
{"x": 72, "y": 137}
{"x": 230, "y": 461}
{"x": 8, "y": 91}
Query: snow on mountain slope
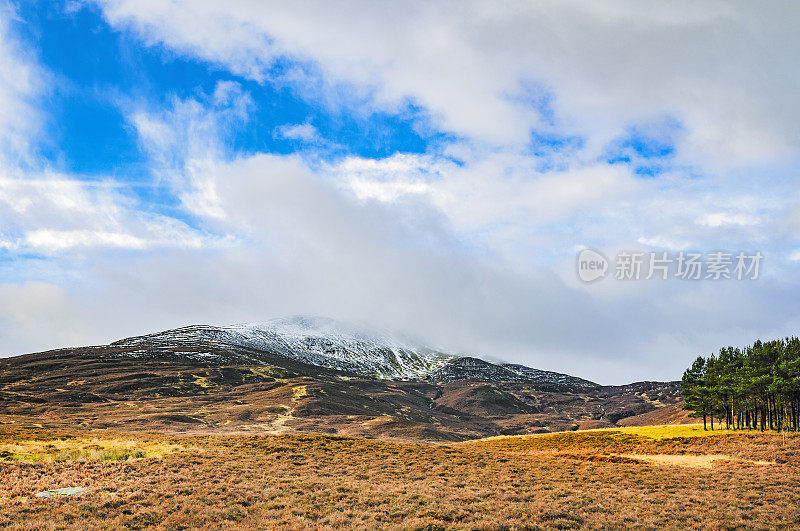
{"x": 475, "y": 369}
{"x": 548, "y": 376}
{"x": 314, "y": 340}
{"x": 331, "y": 344}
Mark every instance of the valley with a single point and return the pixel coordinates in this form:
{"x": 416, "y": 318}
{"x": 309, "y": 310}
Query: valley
{"x": 653, "y": 478}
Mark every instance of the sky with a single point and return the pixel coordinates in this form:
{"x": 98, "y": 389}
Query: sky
{"x": 433, "y": 168}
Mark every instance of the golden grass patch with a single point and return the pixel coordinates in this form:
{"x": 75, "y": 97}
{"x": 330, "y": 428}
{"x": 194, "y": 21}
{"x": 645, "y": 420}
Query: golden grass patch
{"x": 379, "y": 420}
{"x": 268, "y": 372}
{"x": 656, "y": 433}
{"x": 299, "y": 392}
{"x": 692, "y": 461}
{"x": 94, "y": 449}
{"x": 671, "y": 431}
{"x": 201, "y": 381}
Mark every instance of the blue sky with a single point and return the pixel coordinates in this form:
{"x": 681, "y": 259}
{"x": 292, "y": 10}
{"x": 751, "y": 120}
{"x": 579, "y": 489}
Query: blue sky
{"x": 98, "y": 72}
{"x": 425, "y": 170}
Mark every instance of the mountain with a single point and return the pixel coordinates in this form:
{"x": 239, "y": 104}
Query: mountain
{"x": 330, "y": 344}
{"x": 317, "y": 341}
{"x": 303, "y": 374}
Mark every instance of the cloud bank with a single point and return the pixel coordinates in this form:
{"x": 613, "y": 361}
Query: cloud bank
{"x": 560, "y": 125}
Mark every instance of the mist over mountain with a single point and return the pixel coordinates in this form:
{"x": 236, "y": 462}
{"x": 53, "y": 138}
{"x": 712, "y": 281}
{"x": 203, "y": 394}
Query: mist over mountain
{"x": 331, "y": 344}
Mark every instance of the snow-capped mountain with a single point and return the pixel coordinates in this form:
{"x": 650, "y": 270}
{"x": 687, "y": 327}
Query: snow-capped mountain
{"x": 324, "y": 342}
{"x": 316, "y": 341}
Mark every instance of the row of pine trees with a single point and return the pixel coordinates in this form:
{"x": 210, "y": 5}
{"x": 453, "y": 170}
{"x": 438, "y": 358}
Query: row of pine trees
{"x": 757, "y": 387}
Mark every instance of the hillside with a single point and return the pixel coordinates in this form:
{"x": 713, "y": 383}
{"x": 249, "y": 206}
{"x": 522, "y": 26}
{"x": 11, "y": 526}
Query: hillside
{"x": 250, "y": 379}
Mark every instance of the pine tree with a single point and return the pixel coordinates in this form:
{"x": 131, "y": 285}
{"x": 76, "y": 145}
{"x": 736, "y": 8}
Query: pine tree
{"x": 757, "y": 387}
{"x": 692, "y": 389}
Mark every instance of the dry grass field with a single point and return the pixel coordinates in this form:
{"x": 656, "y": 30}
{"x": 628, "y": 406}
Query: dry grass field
{"x": 666, "y": 477}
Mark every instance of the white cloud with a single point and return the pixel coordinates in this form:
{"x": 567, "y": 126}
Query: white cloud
{"x": 50, "y": 240}
{"x": 725, "y": 70}
{"x": 183, "y": 141}
{"x": 660, "y": 242}
{"x": 305, "y": 132}
{"x": 48, "y": 212}
{"x": 169, "y": 235}
{"x": 481, "y": 71}
{"x": 721, "y": 219}
{"x": 21, "y": 83}
{"x": 55, "y": 213}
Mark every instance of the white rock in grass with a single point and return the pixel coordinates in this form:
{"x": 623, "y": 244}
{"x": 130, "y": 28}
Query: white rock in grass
{"x": 69, "y": 491}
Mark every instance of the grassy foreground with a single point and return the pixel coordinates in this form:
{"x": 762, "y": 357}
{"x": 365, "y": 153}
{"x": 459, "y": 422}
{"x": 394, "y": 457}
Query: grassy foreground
{"x": 672, "y": 477}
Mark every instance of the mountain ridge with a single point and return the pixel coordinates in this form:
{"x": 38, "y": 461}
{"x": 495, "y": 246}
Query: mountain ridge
{"x": 331, "y": 344}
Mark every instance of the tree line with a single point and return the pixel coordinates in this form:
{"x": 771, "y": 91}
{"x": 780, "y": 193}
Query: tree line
{"x": 757, "y": 387}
